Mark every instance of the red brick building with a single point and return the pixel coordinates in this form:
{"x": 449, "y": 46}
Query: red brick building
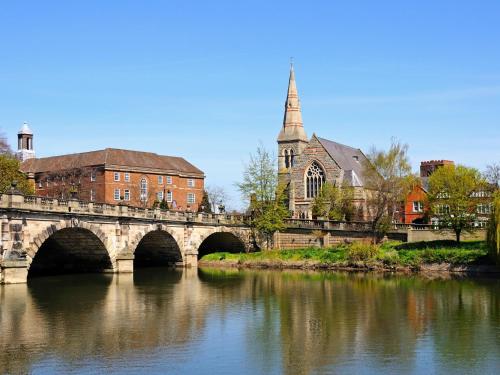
{"x": 416, "y": 208}
{"x": 113, "y": 175}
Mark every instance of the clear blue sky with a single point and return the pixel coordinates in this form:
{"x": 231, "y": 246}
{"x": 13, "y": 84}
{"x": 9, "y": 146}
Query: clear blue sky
{"x": 207, "y": 80}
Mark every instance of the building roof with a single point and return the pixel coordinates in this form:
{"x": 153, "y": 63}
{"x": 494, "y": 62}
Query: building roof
{"x": 113, "y": 158}
{"x": 348, "y": 158}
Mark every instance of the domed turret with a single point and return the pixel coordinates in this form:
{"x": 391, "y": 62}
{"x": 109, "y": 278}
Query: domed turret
{"x": 25, "y": 143}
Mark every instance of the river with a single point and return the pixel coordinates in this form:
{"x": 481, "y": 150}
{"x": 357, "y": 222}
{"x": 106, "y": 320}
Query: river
{"x": 212, "y": 321}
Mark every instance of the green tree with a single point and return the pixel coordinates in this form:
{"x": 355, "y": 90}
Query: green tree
{"x": 164, "y": 204}
{"x": 204, "y": 205}
{"x": 269, "y": 216}
{"x": 454, "y": 192}
{"x": 493, "y": 236}
{"x": 10, "y": 172}
{"x": 260, "y": 179}
{"x": 334, "y": 203}
{"x": 388, "y": 180}
{"x": 260, "y": 188}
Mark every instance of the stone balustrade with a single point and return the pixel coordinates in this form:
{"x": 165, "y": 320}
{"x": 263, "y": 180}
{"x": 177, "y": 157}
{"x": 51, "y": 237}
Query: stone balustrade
{"x": 44, "y": 204}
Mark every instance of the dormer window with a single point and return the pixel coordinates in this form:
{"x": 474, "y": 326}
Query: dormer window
{"x": 356, "y": 158}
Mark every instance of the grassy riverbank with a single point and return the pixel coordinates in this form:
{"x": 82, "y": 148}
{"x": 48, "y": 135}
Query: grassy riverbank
{"x": 434, "y": 255}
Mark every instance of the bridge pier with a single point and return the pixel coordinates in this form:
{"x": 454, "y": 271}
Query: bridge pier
{"x": 13, "y": 271}
{"x": 191, "y": 260}
{"x": 124, "y": 264}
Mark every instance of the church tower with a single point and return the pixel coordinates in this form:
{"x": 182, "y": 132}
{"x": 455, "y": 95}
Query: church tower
{"x": 292, "y": 138}
{"x": 25, "y": 143}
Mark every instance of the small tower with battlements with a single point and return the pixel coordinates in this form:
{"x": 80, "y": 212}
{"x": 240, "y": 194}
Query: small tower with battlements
{"x": 25, "y": 143}
{"x": 292, "y": 138}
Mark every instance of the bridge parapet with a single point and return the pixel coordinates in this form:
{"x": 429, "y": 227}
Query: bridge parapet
{"x": 44, "y": 204}
{"x": 355, "y": 225}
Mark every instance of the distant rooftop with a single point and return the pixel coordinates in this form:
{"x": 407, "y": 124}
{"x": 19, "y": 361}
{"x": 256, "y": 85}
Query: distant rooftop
{"x": 112, "y": 157}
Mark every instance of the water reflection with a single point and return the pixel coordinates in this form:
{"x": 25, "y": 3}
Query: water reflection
{"x": 256, "y": 322}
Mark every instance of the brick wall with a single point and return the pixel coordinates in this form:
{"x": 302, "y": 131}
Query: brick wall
{"x": 103, "y": 188}
{"x": 179, "y": 188}
{"x": 416, "y": 195}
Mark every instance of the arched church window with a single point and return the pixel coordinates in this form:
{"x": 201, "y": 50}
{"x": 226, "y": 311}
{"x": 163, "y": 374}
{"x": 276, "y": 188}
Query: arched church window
{"x": 144, "y": 190}
{"x": 287, "y": 159}
{"x": 292, "y": 158}
{"x": 315, "y": 178}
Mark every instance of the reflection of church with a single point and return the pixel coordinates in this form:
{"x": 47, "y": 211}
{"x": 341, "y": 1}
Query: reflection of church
{"x": 306, "y": 164}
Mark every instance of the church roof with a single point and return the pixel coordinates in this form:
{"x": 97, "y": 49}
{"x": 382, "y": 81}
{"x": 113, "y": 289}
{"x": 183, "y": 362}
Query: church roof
{"x": 348, "y": 158}
{"x": 113, "y": 158}
{"x": 293, "y": 128}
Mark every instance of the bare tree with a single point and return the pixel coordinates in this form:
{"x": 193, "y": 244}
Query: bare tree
{"x": 492, "y": 174}
{"x": 388, "y": 179}
{"x": 70, "y": 183}
{"x": 142, "y": 193}
{"x": 4, "y": 145}
{"x": 217, "y": 196}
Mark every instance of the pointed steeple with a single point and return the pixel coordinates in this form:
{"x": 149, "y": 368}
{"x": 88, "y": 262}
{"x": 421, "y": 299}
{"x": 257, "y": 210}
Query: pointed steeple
{"x": 293, "y": 128}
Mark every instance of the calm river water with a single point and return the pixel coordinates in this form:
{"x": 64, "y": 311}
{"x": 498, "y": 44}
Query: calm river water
{"x": 250, "y": 322}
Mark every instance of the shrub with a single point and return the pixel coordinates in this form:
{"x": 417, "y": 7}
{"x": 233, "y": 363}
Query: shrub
{"x": 389, "y": 258}
{"x": 362, "y": 251}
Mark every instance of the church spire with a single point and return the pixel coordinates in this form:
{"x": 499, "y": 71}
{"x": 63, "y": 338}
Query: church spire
{"x": 292, "y": 129}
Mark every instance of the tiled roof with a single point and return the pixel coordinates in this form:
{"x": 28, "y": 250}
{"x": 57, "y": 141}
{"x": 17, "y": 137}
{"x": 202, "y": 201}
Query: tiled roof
{"x": 112, "y": 157}
{"x": 350, "y": 159}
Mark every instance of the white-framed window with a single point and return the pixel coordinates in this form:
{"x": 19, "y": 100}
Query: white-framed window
{"x": 160, "y": 180}
{"x": 127, "y": 177}
{"x": 190, "y": 198}
{"x": 92, "y": 195}
{"x": 40, "y": 184}
{"x": 481, "y": 223}
{"x": 418, "y": 206}
{"x": 435, "y": 222}
{"x": 117, "y": 194}
{"x": 484, "y": 208}
{"x": 126, "y": 195}
{"x": 169, "y": 196}
{"x": 159, "y": 196}
{"x": 443, "y": 209}
{"x": 93, "y": 176}
{"x": 117, "y": 176}
{"x": 144, "y": 190}
{"x": 169, "y": 180}
{"x": 190, "y": 182}
{"x": 480, "y": 194}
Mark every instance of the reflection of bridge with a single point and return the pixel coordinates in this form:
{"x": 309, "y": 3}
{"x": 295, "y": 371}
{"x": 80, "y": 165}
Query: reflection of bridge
{"x": 43, "y": 235}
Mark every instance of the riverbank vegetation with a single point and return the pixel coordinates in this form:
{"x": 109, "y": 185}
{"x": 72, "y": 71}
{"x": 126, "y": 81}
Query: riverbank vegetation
{"x": 390, "y": 255}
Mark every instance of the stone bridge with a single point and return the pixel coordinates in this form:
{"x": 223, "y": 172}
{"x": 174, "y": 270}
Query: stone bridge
{"x": 43, "y": 236}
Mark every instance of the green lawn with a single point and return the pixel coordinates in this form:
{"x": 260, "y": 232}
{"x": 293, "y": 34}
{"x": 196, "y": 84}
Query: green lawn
{"x": 389, "y": 254}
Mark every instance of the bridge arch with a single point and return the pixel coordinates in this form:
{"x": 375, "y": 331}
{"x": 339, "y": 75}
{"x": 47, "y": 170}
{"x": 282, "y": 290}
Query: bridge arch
{"x": 69, "y": 247}
{"x": 156, "y": 247}
{"x": 224, "y": 241}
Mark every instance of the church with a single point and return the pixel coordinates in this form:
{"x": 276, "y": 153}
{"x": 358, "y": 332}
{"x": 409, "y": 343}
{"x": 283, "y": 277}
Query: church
{"x": 304, "y": 164}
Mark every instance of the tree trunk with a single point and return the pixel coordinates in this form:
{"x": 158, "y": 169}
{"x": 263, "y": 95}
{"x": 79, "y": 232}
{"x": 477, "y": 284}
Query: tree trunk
{"x": 457, "y": 235}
